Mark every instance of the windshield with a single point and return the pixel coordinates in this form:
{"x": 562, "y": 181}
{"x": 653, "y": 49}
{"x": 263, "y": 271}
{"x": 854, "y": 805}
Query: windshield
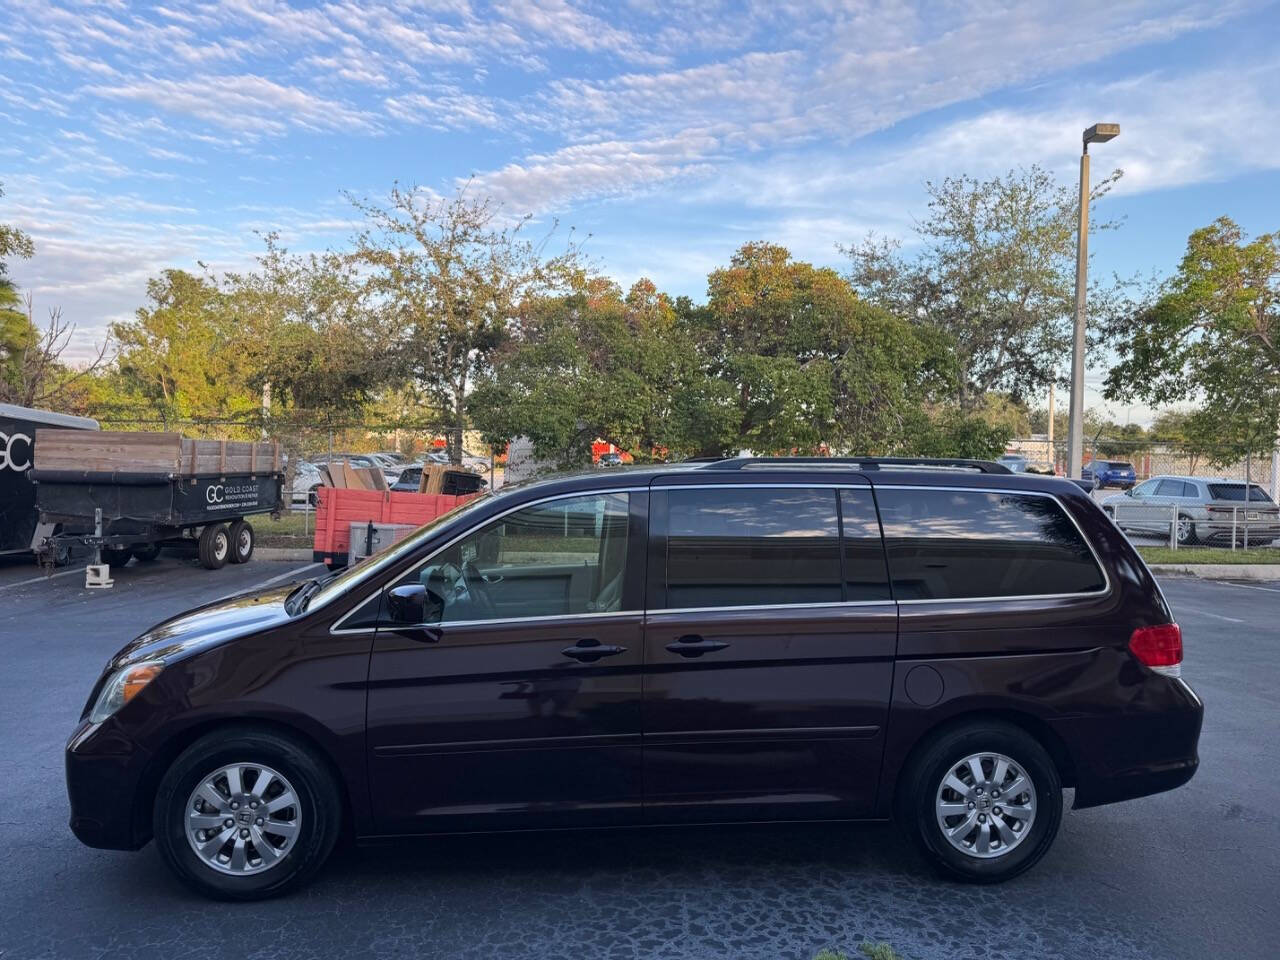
{"x": 337, "y": 584}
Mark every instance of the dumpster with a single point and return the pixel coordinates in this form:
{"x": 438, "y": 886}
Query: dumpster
{"x": 131, "y": 494}
{"x": 20, "y": 529}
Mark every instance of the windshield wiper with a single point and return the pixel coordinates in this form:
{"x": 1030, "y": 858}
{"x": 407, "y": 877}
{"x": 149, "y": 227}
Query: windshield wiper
{"x": 296, "y": 602}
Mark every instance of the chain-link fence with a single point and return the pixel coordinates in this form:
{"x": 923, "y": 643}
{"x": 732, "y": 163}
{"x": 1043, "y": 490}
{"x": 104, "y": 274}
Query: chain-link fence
{"x": 1172, "y": 495}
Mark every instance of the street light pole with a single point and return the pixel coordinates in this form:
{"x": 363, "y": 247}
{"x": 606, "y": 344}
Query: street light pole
{"x": 1098, "y": 133}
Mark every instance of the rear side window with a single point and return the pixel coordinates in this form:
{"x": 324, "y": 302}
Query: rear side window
{"x": 743, "y": 546}
{"x": 1235, "y": 491}
{"x": 958, "y": 544}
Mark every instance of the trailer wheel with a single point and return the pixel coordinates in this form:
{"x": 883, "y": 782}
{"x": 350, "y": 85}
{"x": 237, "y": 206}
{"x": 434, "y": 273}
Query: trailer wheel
{"x": 115, "y": 557}
{"x": 241, "y": 534}
{"x": 215, "y": 546}
{"x": 145, "y": 552}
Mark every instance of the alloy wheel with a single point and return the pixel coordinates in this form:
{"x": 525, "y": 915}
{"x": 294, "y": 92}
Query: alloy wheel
{"x": 243, "y": 819}
{"x": 985, "y": 805}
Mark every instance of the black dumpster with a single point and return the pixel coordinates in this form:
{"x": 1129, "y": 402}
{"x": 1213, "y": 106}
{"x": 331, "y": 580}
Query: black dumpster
{"x": 18, "y": 516}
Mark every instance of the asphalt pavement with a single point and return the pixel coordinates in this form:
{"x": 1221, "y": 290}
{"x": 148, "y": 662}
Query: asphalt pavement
{"x": 1188, "y": 874}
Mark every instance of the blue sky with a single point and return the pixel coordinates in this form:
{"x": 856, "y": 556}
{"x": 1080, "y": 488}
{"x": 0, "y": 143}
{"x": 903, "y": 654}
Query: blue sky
{"x": 145, "y": 136}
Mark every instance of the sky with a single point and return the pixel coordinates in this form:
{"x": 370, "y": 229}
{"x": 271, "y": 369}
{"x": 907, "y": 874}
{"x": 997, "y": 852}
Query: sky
{"x": 145, "y": 136}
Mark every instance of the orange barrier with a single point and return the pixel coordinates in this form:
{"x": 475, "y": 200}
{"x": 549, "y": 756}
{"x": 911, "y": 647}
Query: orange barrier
{"x": 338, "y": 507}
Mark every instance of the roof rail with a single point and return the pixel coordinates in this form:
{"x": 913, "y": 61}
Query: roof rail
{"x": 857, "y": 463}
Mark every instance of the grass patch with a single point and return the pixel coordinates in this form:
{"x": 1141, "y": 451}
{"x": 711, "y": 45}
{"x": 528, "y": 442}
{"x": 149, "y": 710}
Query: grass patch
{"x": 293, "y": 529}
{"x": 872, "y": 951}
{"x": 1209, "y": 555}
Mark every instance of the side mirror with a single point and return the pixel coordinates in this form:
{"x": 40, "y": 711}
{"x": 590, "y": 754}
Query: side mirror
{"x": 412, "y": 604}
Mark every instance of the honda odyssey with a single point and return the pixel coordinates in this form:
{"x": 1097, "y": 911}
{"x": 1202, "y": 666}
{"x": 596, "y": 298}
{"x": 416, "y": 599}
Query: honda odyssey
{"x": 943, "y": 643}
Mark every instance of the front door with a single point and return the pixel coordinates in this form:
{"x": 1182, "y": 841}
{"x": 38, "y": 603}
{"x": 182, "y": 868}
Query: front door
{"x": 518, "y": 702}
{"x": 769, "y": 648}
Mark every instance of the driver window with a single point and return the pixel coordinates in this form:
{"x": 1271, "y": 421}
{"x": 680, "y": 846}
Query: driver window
{"x": 557, "y": 558}
{"x": 1144, "y": 489}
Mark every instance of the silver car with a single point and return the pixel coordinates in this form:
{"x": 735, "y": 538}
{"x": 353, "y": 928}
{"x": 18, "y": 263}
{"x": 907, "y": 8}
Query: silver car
{"x": 1207, "y": 510}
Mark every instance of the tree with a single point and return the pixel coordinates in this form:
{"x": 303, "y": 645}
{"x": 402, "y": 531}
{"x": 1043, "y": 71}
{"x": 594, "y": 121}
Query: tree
{"x": 595, "y": 365}
{"x": 31, "y": 368}
{"x": 809, "y": 363}
{"x": 451, "y": 277}
{"x": 183, "y": 355}
{"x": 1211, "y": 331}
{"x": 996, "y": 272}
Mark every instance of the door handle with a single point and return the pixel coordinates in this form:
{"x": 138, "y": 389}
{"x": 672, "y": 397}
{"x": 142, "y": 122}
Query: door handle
{"x": 589, "y": 650}
{"x": 694, "y": 646}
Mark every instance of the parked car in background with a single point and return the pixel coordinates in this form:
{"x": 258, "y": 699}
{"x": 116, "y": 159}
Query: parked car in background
{"x": 459, "y": 481}
{"x": 1042, "y": 467}
{"x": 306, "y": 481}
{"x": 1209, "y": 510}
{"x": 609, "y": 460}
{"x": 1015, "y": 462}
{"x": 1110, "y": 473}
{"x": 739, "y": 641}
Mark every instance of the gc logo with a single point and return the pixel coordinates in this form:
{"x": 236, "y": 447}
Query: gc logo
{"x": 214, "y": 494}
{"x": 12, "y": 447}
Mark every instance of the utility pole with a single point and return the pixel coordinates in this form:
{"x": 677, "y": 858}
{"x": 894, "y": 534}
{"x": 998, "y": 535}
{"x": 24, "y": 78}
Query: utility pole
{"x": 1053, "y": 457}
{"x": 1098, "y": 133}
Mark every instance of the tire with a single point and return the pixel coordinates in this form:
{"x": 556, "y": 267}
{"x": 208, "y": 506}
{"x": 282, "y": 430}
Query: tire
{"x": 145, "y": 552}
{"x": 924, "y": 817}
{"x": 1186, "y": 530}
{"x": 315, "y": 820}
{"x": 313, "y": 496}
{"x": 240, "y": 535}
{"x": 214, "y": 547}
{"x": 116, "y": 557}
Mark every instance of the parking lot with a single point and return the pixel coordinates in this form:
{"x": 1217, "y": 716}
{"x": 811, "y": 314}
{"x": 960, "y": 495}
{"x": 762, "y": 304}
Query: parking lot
{"x": 1192, "y": 873}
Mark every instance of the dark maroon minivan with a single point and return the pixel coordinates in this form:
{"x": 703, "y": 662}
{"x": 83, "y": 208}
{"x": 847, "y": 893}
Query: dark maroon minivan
{"x": 943, "y": 642}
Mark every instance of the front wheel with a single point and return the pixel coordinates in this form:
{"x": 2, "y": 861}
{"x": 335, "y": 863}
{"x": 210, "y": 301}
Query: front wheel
{"x": 1186, "y": 530}
{"x": 246, "y": 814}
{"x": 984, "y": 802}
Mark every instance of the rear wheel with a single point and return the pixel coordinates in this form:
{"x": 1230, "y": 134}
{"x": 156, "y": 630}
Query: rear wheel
{"x": 241, "y": 536}
{"x": 116, "y": 557}
{"x": 145, "y": 552}
{"x": 214, "y": 547}
{"x": 246, "y": 814}
{"x": 1186, "y": 530}
{"x": 984, "y": 802}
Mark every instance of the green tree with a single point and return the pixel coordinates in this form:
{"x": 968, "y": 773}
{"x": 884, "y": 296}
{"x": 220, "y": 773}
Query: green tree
{"x": 451, "y": 276}
{"x": 31, "y": 369}
{"x": 809, "y": 363}
{"x": 182, "y": 356}
{"x": 1210, "y": 332}
{"x": 995, "y": 270}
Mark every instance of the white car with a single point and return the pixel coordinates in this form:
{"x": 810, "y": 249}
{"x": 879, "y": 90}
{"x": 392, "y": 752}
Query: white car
{"x": 306, "y": 481}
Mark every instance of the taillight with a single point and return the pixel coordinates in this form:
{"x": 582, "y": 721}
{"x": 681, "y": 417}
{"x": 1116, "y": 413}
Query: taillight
{"x": 1159, "y": 647}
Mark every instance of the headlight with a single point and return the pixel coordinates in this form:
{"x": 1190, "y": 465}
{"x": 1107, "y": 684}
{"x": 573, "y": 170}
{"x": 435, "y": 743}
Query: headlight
{"x": 122, "y": 686}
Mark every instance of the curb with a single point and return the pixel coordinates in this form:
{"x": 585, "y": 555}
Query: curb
{"x": 282, "y": 553}
{"x": 1220, "y": 571}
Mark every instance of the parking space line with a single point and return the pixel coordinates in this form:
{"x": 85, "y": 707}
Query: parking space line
{"x": 43, "y": 577}
{"x": 276, "y": 579}
{"x": 1243, "y": 586}
{"x": 1205, "y": 613}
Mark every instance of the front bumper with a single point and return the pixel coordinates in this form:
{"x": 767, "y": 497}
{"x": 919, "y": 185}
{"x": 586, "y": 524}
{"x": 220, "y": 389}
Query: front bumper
{"x": 105, "y": 771}
{"x": 1147, "y": 749}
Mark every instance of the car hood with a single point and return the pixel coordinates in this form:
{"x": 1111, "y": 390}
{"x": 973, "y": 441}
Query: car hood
{"x": 207, "y": 626}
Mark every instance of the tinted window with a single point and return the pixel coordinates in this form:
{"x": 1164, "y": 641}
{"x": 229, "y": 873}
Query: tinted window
{"x": 1175, "y": 488}
{"x": 952, "y": 544}
{"x": 552, "y": 559}
{"x": 865, "y": 575}
{"x": 1121, "y": 465}
{"x": 1235, "y": 491}
{"x": 732, "y": 547}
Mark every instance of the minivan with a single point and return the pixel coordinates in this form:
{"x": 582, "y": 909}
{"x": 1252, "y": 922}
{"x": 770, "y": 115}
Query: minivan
{"x": 749, "y": 640}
